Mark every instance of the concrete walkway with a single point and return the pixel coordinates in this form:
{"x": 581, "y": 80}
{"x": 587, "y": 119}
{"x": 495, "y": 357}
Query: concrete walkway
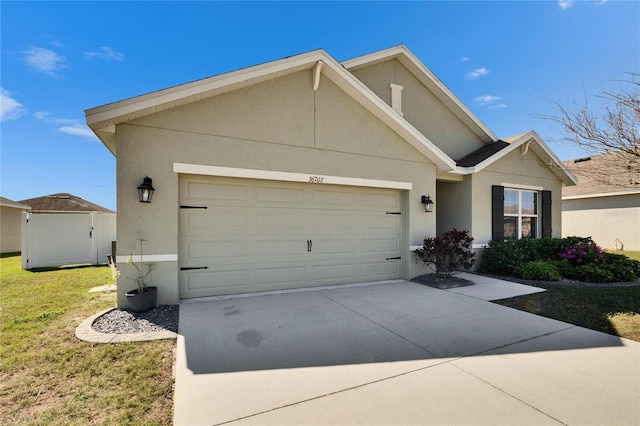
{"x": 396, "y": 353}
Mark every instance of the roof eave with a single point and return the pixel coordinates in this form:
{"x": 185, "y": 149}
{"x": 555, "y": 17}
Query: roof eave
{"x": 541, "y": 150}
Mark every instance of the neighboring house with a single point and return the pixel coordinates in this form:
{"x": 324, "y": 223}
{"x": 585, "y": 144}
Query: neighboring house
{"x": 62, "y": 202}
{"x": 10, "y": 238}
{"x": 605, "y": 205}
{"x": 62, "y": 229}
{"x": 306, "y": 171}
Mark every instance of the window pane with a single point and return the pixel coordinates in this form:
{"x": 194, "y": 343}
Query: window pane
{"x": 511, "y": 202}
{"x": 510, "y": 228}
{"x": 529, "y": 229}
{"x": 529, "y": 202}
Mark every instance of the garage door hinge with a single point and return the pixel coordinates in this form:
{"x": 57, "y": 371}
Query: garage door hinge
{"x": 394, "y": 258}
{"x": 194, "y": 207}
{"x": 394, "y": 212}
{"x": 191, "y": 268}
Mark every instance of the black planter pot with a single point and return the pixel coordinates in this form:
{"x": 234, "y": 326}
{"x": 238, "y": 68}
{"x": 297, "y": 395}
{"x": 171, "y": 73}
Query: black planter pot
{"x": 142, "y": 302}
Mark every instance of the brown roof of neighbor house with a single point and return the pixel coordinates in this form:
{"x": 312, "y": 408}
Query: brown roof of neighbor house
{"x": 63, "y": 202}
{"x": 479, "y": 155}
{"x": 605, "y": 173}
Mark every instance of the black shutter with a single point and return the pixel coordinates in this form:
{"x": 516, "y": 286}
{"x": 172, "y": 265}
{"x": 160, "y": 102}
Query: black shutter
{"x": 546, "y": 214}
{"x": 497, "y": 212}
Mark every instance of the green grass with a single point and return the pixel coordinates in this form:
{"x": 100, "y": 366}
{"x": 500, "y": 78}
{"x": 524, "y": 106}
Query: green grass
{"x": 47, "y": 376}
{"x": 612, "y": 310}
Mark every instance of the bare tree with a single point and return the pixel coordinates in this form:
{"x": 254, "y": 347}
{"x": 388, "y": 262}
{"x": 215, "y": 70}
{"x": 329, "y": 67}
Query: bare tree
{"x": 612, "y": 136}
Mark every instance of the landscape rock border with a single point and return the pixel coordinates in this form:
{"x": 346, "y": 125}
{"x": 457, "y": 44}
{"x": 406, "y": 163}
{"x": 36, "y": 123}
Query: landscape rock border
{"x": 86, "y": 333}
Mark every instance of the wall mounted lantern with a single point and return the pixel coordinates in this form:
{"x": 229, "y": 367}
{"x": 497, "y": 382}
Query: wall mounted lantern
{"x": 145, "y": 190}
{"x": 428, "y": 203}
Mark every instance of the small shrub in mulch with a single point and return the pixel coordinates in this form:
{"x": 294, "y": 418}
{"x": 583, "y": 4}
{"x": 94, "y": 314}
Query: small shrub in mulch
{"x": 443, "y": 283}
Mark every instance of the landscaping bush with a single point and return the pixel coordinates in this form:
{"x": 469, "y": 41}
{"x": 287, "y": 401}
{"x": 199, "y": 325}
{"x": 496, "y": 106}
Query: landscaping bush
{"x": 539, "y": 270}
{"x": 449, "y": 253}
{"x": 577, "y": 258}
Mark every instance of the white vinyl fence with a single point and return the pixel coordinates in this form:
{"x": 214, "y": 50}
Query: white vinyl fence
{"x": 56, "y": 239}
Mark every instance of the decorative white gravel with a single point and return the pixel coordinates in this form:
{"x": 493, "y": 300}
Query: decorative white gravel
{"x": 160, "y": 318}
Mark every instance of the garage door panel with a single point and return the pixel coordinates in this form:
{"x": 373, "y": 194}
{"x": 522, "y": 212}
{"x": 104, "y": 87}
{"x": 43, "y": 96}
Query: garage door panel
{"x": 334, "y": 222}
{"x": 333, "y": 273}
{"x": 336, "y": 246}
{"x": 335, "y": 198}
{"x": 225, "y": 281}
{"x": 390, "y": 246}
{"x": 219, "y": 222}
{"x": 277, "y": 221}
{"x": 387, "y": 200}
{"x": 207, "y": 192}
{"x": 208, "y": 250}
{"x": 381, "y": 270}
{"x": 279, "y": 247}
{"x": 379, "y": 223}
{"x": 280, "y": 195}
{"x": 287, "y": 275}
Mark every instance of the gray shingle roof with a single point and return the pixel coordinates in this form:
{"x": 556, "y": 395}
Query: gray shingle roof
{"x": 63, "y": 202}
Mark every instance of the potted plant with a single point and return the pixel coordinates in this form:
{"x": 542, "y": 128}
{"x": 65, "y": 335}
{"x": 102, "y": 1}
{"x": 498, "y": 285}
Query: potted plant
{"x": 144, "y": 297}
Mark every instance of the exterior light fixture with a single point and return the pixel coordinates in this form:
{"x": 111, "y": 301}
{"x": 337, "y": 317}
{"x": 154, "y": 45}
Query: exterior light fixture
{"x": 428, "y": 203}
{"x": 145, "y": 190}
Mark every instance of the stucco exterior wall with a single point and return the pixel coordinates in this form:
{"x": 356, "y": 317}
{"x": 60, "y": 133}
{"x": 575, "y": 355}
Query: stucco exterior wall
{"x": 279, "y": 125}
{"x": 453, "y": 202}
{"x": 612, "y": 221}
{"x": 421, "y": 108}
{"x": 10, "y": 238}
{"x": 515, "y": 169}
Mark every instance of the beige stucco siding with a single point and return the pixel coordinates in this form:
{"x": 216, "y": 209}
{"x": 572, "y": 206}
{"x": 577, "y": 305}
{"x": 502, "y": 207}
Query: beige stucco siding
{"x": 10, "y": 239}
{"x": 453, "y": 206}
{"x": 515, "y": 169}
{"x": 611, "y": 221}
{"x": 320, "y": 133}
{"x": 421, "y": 108}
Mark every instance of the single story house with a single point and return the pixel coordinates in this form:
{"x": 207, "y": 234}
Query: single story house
{"x": 306, "y": 171}
{"x": 605, "y": 205}
{"x": 10, "y": 236}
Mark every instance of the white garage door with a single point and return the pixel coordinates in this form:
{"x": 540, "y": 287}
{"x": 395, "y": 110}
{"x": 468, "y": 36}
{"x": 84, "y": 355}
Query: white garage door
{"x": 242, "y": 235}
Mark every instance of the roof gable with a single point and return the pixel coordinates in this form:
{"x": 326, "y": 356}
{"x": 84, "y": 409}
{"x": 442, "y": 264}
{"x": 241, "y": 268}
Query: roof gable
{"x": 489, "y": 154}
{"x": 429, "y": 80}
{"x": 103, "y": 120}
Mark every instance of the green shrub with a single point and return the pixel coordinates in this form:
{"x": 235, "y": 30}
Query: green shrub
{"x": 577, "y": 258}
{"x": 538, "y": 270}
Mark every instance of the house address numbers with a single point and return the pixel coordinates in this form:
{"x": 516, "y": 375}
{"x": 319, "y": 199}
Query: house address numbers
{"x": 316, "y": 179}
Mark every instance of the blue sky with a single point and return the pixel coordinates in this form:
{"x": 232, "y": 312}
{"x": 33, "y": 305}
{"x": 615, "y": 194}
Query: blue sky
{"x": 507, "y": 61}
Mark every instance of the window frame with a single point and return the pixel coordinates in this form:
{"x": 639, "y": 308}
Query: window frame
{"x": 535, "y": 217}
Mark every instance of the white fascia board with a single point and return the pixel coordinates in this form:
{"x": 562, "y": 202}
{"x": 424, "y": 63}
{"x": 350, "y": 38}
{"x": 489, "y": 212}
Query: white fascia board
{"x": 599, "y": 195}
{"x": 430, "y": 80}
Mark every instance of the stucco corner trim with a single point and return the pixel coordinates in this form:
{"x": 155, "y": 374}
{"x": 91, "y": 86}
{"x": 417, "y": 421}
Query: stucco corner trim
{"x": 311, "y": 178}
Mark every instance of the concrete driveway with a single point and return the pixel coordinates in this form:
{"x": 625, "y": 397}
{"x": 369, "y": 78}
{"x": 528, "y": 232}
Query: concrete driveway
{"x": 396, "y": 353}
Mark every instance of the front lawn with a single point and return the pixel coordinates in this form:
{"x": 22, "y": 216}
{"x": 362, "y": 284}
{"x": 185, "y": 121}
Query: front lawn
{"x": 47, "y": 376}
{"x": 612, "y": 310}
